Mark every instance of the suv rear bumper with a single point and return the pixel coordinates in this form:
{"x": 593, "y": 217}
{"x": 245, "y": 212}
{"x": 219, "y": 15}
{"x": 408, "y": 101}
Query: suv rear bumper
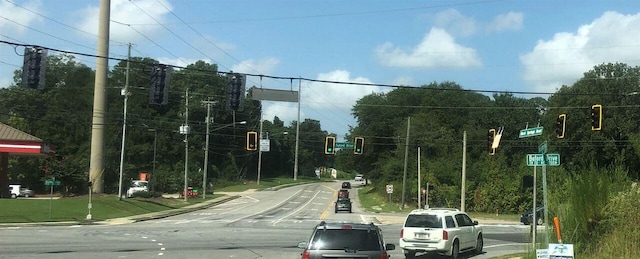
{"x": 440, "y": 247}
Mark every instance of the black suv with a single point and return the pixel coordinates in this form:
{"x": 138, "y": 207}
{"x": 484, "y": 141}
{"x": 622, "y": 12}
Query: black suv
{"x": 346, "y": 185}
{"x": 346, "y": 240}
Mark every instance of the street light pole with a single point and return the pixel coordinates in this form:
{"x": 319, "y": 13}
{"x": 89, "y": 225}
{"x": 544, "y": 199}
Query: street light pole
{"x": 124, "y": 92}
{"x": 206, "y": 151}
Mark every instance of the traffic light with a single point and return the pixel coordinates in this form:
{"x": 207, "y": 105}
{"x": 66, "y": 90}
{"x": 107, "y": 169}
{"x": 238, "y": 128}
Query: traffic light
{"x": 596, "y": 117}
{"x": 561, "y": 122}
{"x": 359, "y": 145}
{"x": 235, "y": 91}
{"x": 33, "y": 68}
{"x": 159, "y": 90}
{"x": 329, "y": 145}
{"x": 491, "y": 137}
{"x": 252, "y": 140}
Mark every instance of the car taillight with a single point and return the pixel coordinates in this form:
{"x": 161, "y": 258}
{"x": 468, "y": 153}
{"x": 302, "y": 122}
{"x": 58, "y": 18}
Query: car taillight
{"x": 384, "y": 256}
{"x": 306, "y": 255}
{"x": 402, "y": 233}
{"x": 445, "y": 235}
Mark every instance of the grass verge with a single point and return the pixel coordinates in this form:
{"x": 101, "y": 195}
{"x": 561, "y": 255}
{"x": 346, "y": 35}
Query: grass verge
{"x": 76, "y": 208}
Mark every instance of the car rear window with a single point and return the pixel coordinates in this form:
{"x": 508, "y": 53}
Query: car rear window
{"x": 341, "y": 239}
{"x": 423, "y": 221}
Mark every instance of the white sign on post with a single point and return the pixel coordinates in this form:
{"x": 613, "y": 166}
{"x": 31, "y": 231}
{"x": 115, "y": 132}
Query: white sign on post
{"x": 265, "y": 145}
{"x": 389, "y": 188}
{"x": 561, "y": 251}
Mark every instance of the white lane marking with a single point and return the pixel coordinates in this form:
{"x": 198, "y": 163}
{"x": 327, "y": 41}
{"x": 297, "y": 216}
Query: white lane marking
{"x": 299, "y": 208}
{"x": 498, "y": 245}
{"x": 268, "y": 209}
{"x": 75, "y": 226}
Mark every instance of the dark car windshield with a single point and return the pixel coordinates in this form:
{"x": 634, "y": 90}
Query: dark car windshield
{"x": 423, "y": 221}
{"x": 350, "y": 239}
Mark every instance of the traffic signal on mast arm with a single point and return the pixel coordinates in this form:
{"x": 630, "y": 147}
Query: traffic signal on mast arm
{"x": 329, "y": 145}
{"x": 561, "y": 122}
{"x": 491, "y": 137}
{"x": 596, "y": 117}
{"x": 359, "y": 145}
{"x": 33, "y": 68}
{"x": 252, "y": 140}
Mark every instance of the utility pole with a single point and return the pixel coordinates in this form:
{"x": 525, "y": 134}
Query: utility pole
{"x": 295, "y": 163}
{"x": 464, "y": 171}
{"x": 96, "y": 166}
{"x": 259, "y": 147}
{"x": 406, "y": 158}
{"x": 206, "y": 149}
{"x": 186, "y": 144}
{"x": 124, "y": 92}
{"x": 419, "y": 181}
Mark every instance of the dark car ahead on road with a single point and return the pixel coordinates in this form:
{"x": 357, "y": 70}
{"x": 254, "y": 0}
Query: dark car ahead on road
{"x": 527, "y": 217}
{"x": 343, "y": 204}
{"x": 345, "y": 240}
{"x": 346, "y": 185}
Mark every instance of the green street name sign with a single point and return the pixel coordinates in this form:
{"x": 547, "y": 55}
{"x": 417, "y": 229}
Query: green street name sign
{"x": 538, "y": 160}
{"x": 531, "y": 132}
{"x": 344, "y": 145}
{"x": 51, "y": 182}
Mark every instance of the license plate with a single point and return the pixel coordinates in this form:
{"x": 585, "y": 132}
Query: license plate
{"x": 422, "y": 235}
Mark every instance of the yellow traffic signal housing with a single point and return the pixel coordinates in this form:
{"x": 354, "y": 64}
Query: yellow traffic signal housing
{"x": 252, "y": 140}
{"x": 358, "y": 146}
{"x": 596, "y": 117}
{"x": 491, "y": 137}
{"x": 330, "y": 145}
{"x": 561, "y": 123}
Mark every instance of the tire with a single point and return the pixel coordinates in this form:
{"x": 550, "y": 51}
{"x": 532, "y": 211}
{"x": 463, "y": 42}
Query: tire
{"x": 409, "y": 254}
{"x": 26, "y": 195}
{"x": 455, "y": 249}
{"x": 540, "y": 221}
{"x": 14, "y": 196}
{"x": 349, "y": 210}
{"x": 479, "y": 244}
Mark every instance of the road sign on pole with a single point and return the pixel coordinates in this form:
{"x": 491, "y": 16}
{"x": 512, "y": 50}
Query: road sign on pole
{"x": 542, "y": 148}
{"x": 539, "y": 159}
{"x": 531, "y": 132}
{"x": 553, "y": 159}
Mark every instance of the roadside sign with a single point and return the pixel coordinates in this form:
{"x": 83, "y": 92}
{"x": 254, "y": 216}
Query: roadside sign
{"x": 265, "y": 145}
{"x": 389, "y": 188}
{"x": 553, "y": 159}
{"x": 564, "y": 251}
{"x": 535, "y": 159}
{"x": 531, "y": 132}
{"x": 542, "y": 253}
{"x": 538, "y": 159}
{"x": 344, "y": 145}
{"x": 542, "y": 148}
{"x": 51, "y": 182}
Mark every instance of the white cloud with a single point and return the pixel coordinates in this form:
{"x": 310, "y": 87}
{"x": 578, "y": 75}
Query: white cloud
{"x": 125, "y": 13}
{"x": 613, "y": 37}
{"x": 454, "y": 22}
{"x": 19, "y": 15}
{"x": 437, "y": 49}
{"x": 504, "y": 22}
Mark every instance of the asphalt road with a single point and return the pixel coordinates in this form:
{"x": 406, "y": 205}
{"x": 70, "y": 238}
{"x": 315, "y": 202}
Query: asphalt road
{"x": 266, "y": 224}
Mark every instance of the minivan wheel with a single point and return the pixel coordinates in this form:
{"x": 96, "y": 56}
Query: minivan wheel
{"x": 455, "y": 250}
{"x": 409, "y": 254}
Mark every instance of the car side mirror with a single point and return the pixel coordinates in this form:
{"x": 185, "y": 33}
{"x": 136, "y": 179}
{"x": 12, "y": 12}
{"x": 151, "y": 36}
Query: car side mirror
{"x": 390, "y": 247}
{"x": 303, "y": 245}
{"x": 475, "y": 222}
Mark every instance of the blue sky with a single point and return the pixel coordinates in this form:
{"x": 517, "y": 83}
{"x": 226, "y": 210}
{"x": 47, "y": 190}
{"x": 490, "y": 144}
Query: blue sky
{"x": 510, "y": 45}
